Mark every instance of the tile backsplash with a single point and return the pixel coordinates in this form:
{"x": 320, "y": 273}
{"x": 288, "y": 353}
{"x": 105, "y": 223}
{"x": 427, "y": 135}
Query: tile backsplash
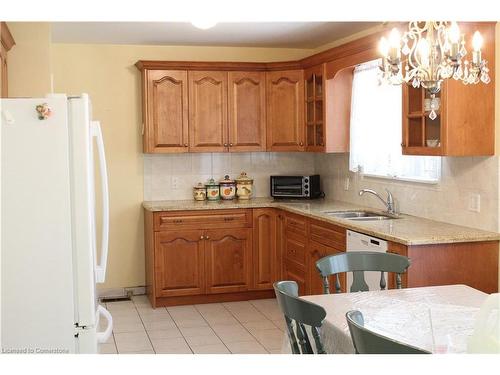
{"x": 461, "y": 178}
{"x": 172, "y": 176}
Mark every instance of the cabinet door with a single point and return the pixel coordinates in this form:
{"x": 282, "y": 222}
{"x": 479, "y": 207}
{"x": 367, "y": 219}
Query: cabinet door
{"x": 280, "y": 243}
{"x": 228, "y": 260}
{"x": 421, "y": 135}
{"x": 400, "y": 249}
{"x": 179, "y": 263}
{"x": 166, "y": 106}
{"x": 264, "y": 248}
{"x": 314, "y": 79}
{"x": 208, "y": 111}
{"x": 294, "y": 273}
{"x": 314, "y": 280}
{"x": 285, "y": 111}
{"x": 247, "y": 111}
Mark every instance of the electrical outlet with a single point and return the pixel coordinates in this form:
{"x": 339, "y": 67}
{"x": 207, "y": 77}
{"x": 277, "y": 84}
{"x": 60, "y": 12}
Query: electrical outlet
{"x": 347, "y": 183}
{"x": 474, "y": 202}
{"x": 175, "y": 183}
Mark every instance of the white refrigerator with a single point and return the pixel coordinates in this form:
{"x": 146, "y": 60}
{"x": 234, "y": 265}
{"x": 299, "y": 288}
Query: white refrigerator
{"x": 50, "y": 260}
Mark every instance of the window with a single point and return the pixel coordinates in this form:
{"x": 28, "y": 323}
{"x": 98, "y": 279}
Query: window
{"x": 375, "y": 148}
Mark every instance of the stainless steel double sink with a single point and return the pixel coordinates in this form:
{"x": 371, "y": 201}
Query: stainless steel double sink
{"x": 360, "y": 215}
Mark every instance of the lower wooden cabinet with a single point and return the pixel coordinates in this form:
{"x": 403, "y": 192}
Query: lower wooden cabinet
{"x": 237, "y": 254}
{"x": 294, "y": 272}
{"x": 228, "y": 260}
{"x": 471, "y": 263}
{"x": 179, "y": 263}
{"x": 265, "y": 256}
{"x": 207, "y": 256}
{"x": 316, "y": 251}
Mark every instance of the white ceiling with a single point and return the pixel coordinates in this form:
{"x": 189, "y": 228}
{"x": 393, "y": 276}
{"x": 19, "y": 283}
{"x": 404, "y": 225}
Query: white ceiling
{"x": 249, "y": 34}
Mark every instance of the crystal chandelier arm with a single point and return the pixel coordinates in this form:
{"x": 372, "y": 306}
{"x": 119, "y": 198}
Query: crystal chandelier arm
{"x": 431, "y": 52}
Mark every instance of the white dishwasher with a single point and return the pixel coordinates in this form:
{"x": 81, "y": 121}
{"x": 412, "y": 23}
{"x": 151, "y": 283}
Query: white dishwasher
{"x": 361, "y": 242}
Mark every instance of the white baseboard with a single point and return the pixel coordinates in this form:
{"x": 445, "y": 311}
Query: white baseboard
{"x": 121, "y": 292}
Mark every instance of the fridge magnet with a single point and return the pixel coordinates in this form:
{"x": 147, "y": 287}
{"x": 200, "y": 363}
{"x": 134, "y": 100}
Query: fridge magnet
{"x": 44, "y": 111}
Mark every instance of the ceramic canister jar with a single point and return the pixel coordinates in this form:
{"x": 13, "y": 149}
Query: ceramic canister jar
{"x": 227, "y": 188}
{"x": 199, "y": 192}
{"x": 212, "y": 190}
{"x": 244, "y": 186}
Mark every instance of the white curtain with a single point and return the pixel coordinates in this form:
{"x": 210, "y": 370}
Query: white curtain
{"x": 375, "y": 147}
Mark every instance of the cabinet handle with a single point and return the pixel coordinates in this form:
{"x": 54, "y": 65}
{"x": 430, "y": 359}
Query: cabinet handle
{"x": 207, "y": 237}
{"x": 201, "y": 237}
{"x": 301, "y": 144}
{"x": 230, "y": 145}
{"x": 402, "y": 144}
{"x": 185, "y": 144}
{"x": 177, "y": 221}
{"x": 225, "y": 144}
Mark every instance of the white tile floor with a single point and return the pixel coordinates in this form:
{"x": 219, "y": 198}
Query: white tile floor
{"x": 247, "y": 327}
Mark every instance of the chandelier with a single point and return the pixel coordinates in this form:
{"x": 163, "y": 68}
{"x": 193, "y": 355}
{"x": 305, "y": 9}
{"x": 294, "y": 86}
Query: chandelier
{"x": 432, "y": 52}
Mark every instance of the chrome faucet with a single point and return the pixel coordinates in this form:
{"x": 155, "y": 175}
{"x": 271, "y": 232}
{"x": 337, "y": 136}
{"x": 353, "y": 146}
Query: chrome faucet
{"x": 389, "y": 203}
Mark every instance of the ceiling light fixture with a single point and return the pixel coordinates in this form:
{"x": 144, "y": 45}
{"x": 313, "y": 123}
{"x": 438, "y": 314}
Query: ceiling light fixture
{"x": 204, "y": 24}
{"x": 433, "y": 51}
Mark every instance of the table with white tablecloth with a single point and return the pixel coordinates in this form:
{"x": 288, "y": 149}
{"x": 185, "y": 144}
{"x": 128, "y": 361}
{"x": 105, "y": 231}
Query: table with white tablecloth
{"x": 438, "y": 319}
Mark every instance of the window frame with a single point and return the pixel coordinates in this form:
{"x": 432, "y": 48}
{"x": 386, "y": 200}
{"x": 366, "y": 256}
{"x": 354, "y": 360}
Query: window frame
{"x": 388, "y": 176}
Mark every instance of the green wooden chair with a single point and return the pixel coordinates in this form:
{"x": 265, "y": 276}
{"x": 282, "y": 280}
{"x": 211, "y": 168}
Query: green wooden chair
{"x": 358, "y": 262}
{"x": 368, "y": 342}
{"x": 303, "y": 314}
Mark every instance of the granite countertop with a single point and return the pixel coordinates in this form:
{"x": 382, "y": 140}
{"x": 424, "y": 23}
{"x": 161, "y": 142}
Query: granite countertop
{"x": 407, "y": 229}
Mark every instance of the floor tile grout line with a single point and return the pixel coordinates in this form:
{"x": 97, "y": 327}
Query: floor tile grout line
{"x": 223, "y": 343}
{"x": 178, "y": 328}
{"x": 145, "y": 330}
{"x": 245, "y": 328}
{"x": 199, "y": 311}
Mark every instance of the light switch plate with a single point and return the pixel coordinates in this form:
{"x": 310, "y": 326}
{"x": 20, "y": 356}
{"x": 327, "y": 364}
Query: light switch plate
{"x": 475, "y": 202}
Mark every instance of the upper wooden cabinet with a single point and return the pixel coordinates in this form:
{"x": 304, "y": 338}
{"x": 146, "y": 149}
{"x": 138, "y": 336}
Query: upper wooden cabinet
{"x": 166, "y": 115}
{"x": 304, "y": 105}
{"x": 6, "y": 43}
{"x": 285, "y": 110}
{"x": 207, "y": 111}
{"x": 315, "y": 108}
{"x": 465, "y": 122}
{"x": 247, "y": 111}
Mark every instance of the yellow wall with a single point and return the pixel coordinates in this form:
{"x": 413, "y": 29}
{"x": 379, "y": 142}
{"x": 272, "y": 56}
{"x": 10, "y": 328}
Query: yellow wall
{"x": 107, "y": 73}
{"x": 29, "y": 60}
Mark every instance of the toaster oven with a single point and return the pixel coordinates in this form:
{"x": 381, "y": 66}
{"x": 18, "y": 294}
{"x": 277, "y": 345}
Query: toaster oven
{"x": 295, "y": 187}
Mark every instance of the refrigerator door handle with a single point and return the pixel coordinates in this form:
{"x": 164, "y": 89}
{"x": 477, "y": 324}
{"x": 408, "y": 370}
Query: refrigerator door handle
{"x": 103, "y": 336}
{"x": 100, "y": 271}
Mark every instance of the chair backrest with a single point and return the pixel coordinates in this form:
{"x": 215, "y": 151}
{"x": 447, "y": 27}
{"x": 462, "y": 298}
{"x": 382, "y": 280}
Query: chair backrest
{"x": 358, "y": 262}
{"x": 300, "y": 313}
{"x": 368, "y": 342}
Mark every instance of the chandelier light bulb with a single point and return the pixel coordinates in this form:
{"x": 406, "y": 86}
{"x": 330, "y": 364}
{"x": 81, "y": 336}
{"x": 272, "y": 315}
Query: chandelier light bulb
{"x": 383, "y": 47}
{"x": 423, "y": 48}
{"x": 454, "y": 32}
{"x": 394, "y": 38}
{"x": 477, "y": 41}
{"x": 433, "y": 51}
